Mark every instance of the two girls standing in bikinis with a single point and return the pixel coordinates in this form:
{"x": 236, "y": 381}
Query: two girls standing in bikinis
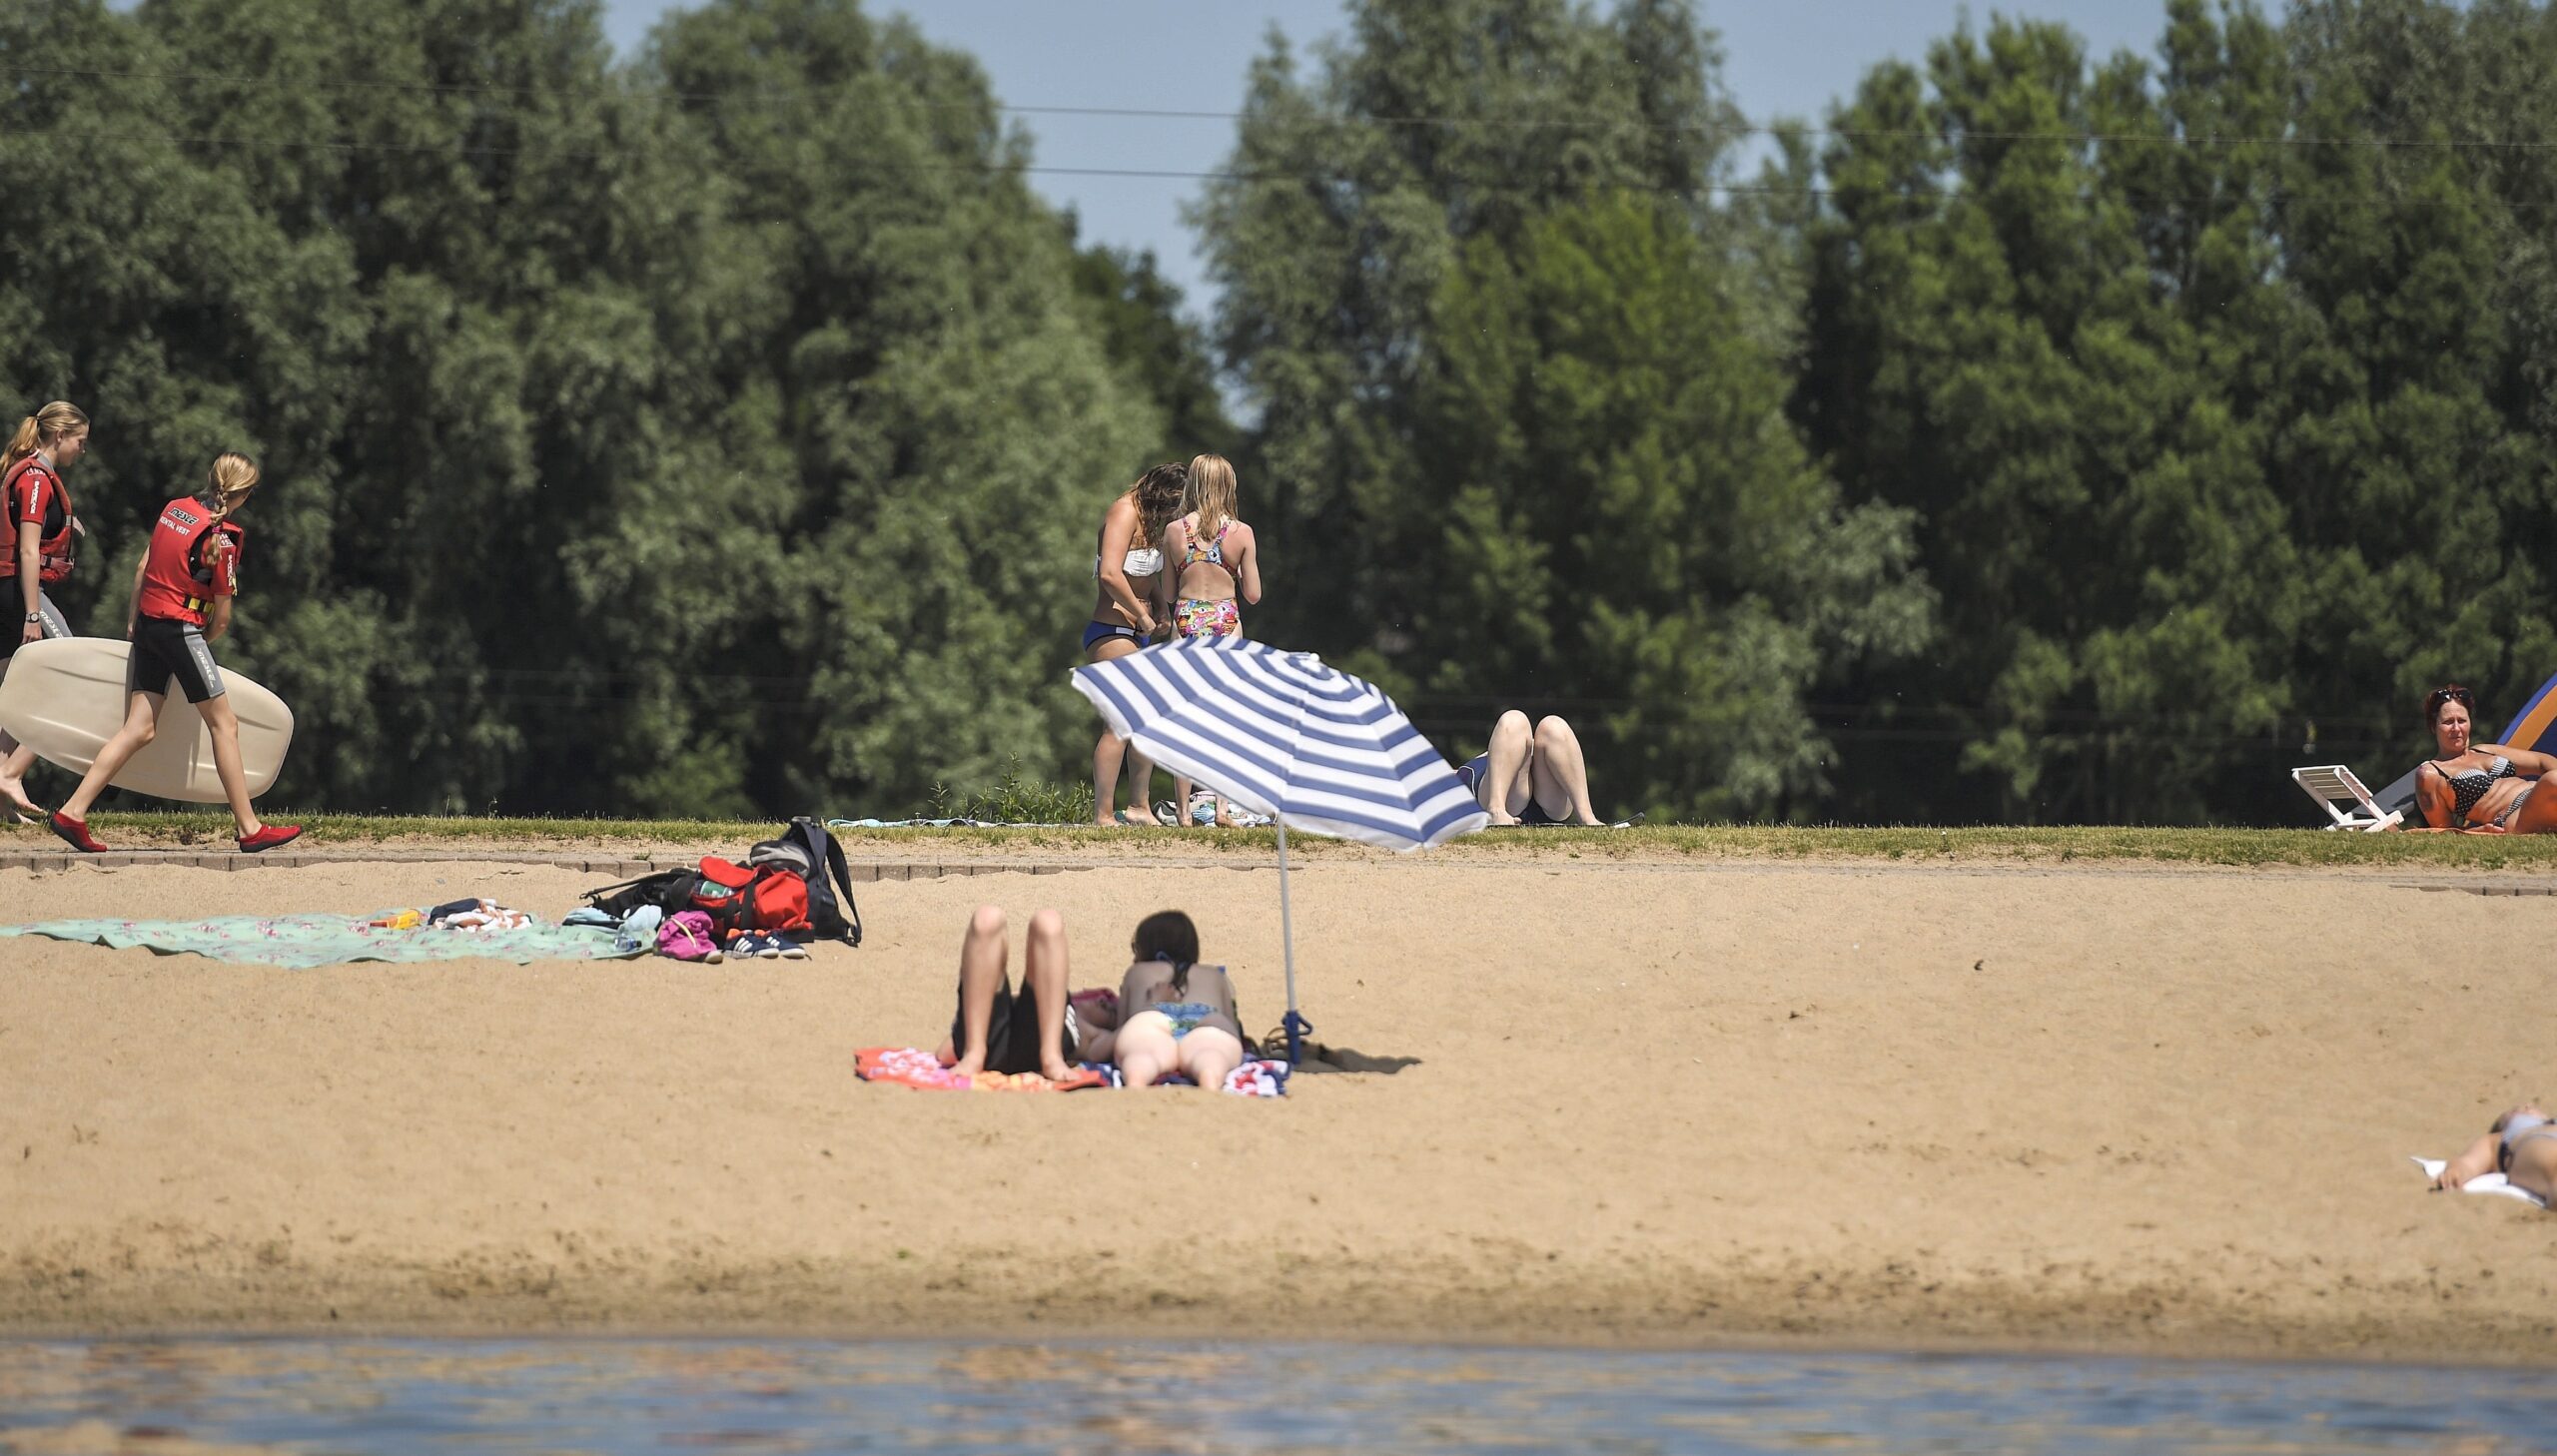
{"x": 2479, "y": 788}
{"x": 1127, "y": 567}
{"x": 1213, "y": 567}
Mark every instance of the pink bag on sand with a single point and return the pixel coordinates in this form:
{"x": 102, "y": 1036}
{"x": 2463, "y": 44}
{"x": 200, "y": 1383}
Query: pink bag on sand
{"x": 686, "y": 935}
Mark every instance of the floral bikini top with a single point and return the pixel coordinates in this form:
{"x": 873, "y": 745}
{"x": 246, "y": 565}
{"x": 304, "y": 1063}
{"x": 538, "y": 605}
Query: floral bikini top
{"x": 1214, "y": 551}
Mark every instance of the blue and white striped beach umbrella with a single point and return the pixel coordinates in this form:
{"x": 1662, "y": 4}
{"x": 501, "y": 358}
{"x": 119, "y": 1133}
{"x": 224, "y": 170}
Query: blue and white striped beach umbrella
{"x": 1281, "y": 733}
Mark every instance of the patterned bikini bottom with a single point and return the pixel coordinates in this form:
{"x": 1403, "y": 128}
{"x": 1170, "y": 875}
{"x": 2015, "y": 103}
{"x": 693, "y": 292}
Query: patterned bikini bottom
{"x": 1197, "y": 616}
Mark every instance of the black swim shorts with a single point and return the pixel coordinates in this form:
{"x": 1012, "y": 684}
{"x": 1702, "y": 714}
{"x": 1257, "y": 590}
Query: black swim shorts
{"x": 55, "y": 625}
{"x": 165, "y": 651}
{"x": 1012, "y": 1031}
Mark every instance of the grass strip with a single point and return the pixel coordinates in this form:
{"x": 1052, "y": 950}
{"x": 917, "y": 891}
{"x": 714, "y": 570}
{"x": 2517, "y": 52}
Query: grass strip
{"x": 1974, "y": 845}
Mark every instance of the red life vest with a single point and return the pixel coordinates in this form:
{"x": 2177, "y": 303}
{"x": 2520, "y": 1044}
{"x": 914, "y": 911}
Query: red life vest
{"x": 185, "y": 572}
{"x": 34, "y": 491}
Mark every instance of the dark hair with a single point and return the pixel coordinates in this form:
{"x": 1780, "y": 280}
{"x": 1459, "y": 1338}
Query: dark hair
{"x": 1167, "y": 935}
{"x": 2449, "y": 692}
{"x": 1157, "y": 494}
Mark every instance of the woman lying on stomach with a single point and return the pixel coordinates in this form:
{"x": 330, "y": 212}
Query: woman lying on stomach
{"x": 2521, "y": 1145}
{"x": 2479, "y": 788}
{"x": 1174, "y": 1014}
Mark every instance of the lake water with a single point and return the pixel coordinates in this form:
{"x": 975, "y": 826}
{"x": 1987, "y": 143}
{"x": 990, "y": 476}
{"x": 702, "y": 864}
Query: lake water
{"x": 593, "y": 1395}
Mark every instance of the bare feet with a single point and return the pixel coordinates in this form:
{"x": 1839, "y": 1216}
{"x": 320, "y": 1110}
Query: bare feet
{"x": 1056, "y": 1070}
{"x": 13, "y": 793}
{"x": 969, "y": 1065}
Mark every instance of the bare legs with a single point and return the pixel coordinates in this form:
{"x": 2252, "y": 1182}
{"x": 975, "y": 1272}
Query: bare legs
{"x": 1561, "y": 777}
{"x": 1539, "y": 764}
{"x": 225, "y": 760}
{"x": 1112, "y": 753}
{"x": 15, "y": 759}
{"x": 981, "y": 974}
{"x": 1149, "y": 1052}
{"x": 1182, "y": 789}
{"x": 1506, "y": 785}
{"x": 1107, "y": 756}
{"x": 141, "y": 725}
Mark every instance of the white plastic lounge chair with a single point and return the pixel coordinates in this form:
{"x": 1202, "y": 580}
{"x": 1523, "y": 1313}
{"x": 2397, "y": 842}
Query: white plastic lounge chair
{"x": 2332, "y": 784}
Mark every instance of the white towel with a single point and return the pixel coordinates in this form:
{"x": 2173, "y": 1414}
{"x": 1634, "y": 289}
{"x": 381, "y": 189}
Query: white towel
{"x": 2493, "y": 1183}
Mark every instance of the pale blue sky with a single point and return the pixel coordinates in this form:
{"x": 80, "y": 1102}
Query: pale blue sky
{"x": 1782, "y": 58}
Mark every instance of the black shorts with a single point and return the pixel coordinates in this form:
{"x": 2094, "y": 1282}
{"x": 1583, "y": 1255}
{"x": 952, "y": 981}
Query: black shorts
{"x": 163, "y": 652}
{"x": 1012, "y": 1031}
{"x": 55, "y": 625}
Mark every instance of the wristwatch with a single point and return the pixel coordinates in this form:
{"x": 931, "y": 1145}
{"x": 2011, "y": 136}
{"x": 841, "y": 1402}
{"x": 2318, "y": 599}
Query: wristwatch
{"x": 35, "y": 616}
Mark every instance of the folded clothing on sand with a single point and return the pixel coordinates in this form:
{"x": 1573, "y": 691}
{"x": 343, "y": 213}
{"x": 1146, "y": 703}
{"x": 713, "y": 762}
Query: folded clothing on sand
{"x": 2493, "y": 1183}
{"x": 478, "y": 916}
{"x": 303, "y": 941}
{"x": 912, "y": 1066}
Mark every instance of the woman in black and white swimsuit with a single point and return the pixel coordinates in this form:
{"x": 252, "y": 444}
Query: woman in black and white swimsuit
{"x": 2479, "y": 788}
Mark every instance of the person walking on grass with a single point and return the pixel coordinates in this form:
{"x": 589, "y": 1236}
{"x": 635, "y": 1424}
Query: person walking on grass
{"x": 42, "y": 528}
{"x": 1211, "y": 569}
{"x": 181, "y": 596}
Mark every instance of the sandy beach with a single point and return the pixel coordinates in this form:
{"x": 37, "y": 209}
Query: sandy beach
{"x": 1674, "y": 1103}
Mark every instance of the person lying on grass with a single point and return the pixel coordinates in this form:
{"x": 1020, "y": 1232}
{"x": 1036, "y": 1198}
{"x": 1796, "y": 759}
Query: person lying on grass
{"x": 2521, "y": 1145}
{"x": 1531, "y": 774}
{"x": 2478, "y": 788}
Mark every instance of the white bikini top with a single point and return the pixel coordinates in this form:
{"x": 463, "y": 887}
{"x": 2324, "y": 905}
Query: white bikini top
{"x": 1140, "y": 561}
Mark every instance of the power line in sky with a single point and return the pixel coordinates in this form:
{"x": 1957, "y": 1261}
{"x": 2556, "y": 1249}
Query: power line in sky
{"x": 1547, "y": 121}
{"x": 1730, "y": 189}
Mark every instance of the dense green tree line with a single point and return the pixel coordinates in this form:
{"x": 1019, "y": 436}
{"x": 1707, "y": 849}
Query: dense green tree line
{"x": 2046, "y": 437}
{"x": 711, "y": 433}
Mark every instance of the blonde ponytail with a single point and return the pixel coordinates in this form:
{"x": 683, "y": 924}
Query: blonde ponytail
{"x": 231, "y": 478}
{"x": 51, "y": 422}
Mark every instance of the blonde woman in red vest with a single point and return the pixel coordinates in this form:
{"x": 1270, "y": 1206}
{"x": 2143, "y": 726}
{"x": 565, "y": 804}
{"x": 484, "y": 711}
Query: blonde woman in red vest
{"x": 181, "y": 596}
{"x": 42, "y": 526}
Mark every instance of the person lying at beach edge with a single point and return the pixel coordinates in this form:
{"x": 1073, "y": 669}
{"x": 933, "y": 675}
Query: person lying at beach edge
{"x": 2521, "y": 1145}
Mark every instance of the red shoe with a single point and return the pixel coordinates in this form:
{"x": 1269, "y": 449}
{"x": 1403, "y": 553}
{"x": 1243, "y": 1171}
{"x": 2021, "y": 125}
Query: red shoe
{"x": 75, "y": 833}
{"x": 269, "y": 837}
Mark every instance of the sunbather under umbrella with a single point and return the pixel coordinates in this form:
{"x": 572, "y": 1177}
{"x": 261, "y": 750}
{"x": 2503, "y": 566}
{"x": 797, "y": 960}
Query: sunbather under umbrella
{"x": 1283, "y": 734}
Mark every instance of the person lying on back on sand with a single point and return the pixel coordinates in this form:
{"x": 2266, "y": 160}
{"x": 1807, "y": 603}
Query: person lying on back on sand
{"x": 2521, "y": 1145}
{"x": 997, "y": 1030}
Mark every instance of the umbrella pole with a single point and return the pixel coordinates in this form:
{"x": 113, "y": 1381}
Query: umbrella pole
{"x": 1296, "y": 1026}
